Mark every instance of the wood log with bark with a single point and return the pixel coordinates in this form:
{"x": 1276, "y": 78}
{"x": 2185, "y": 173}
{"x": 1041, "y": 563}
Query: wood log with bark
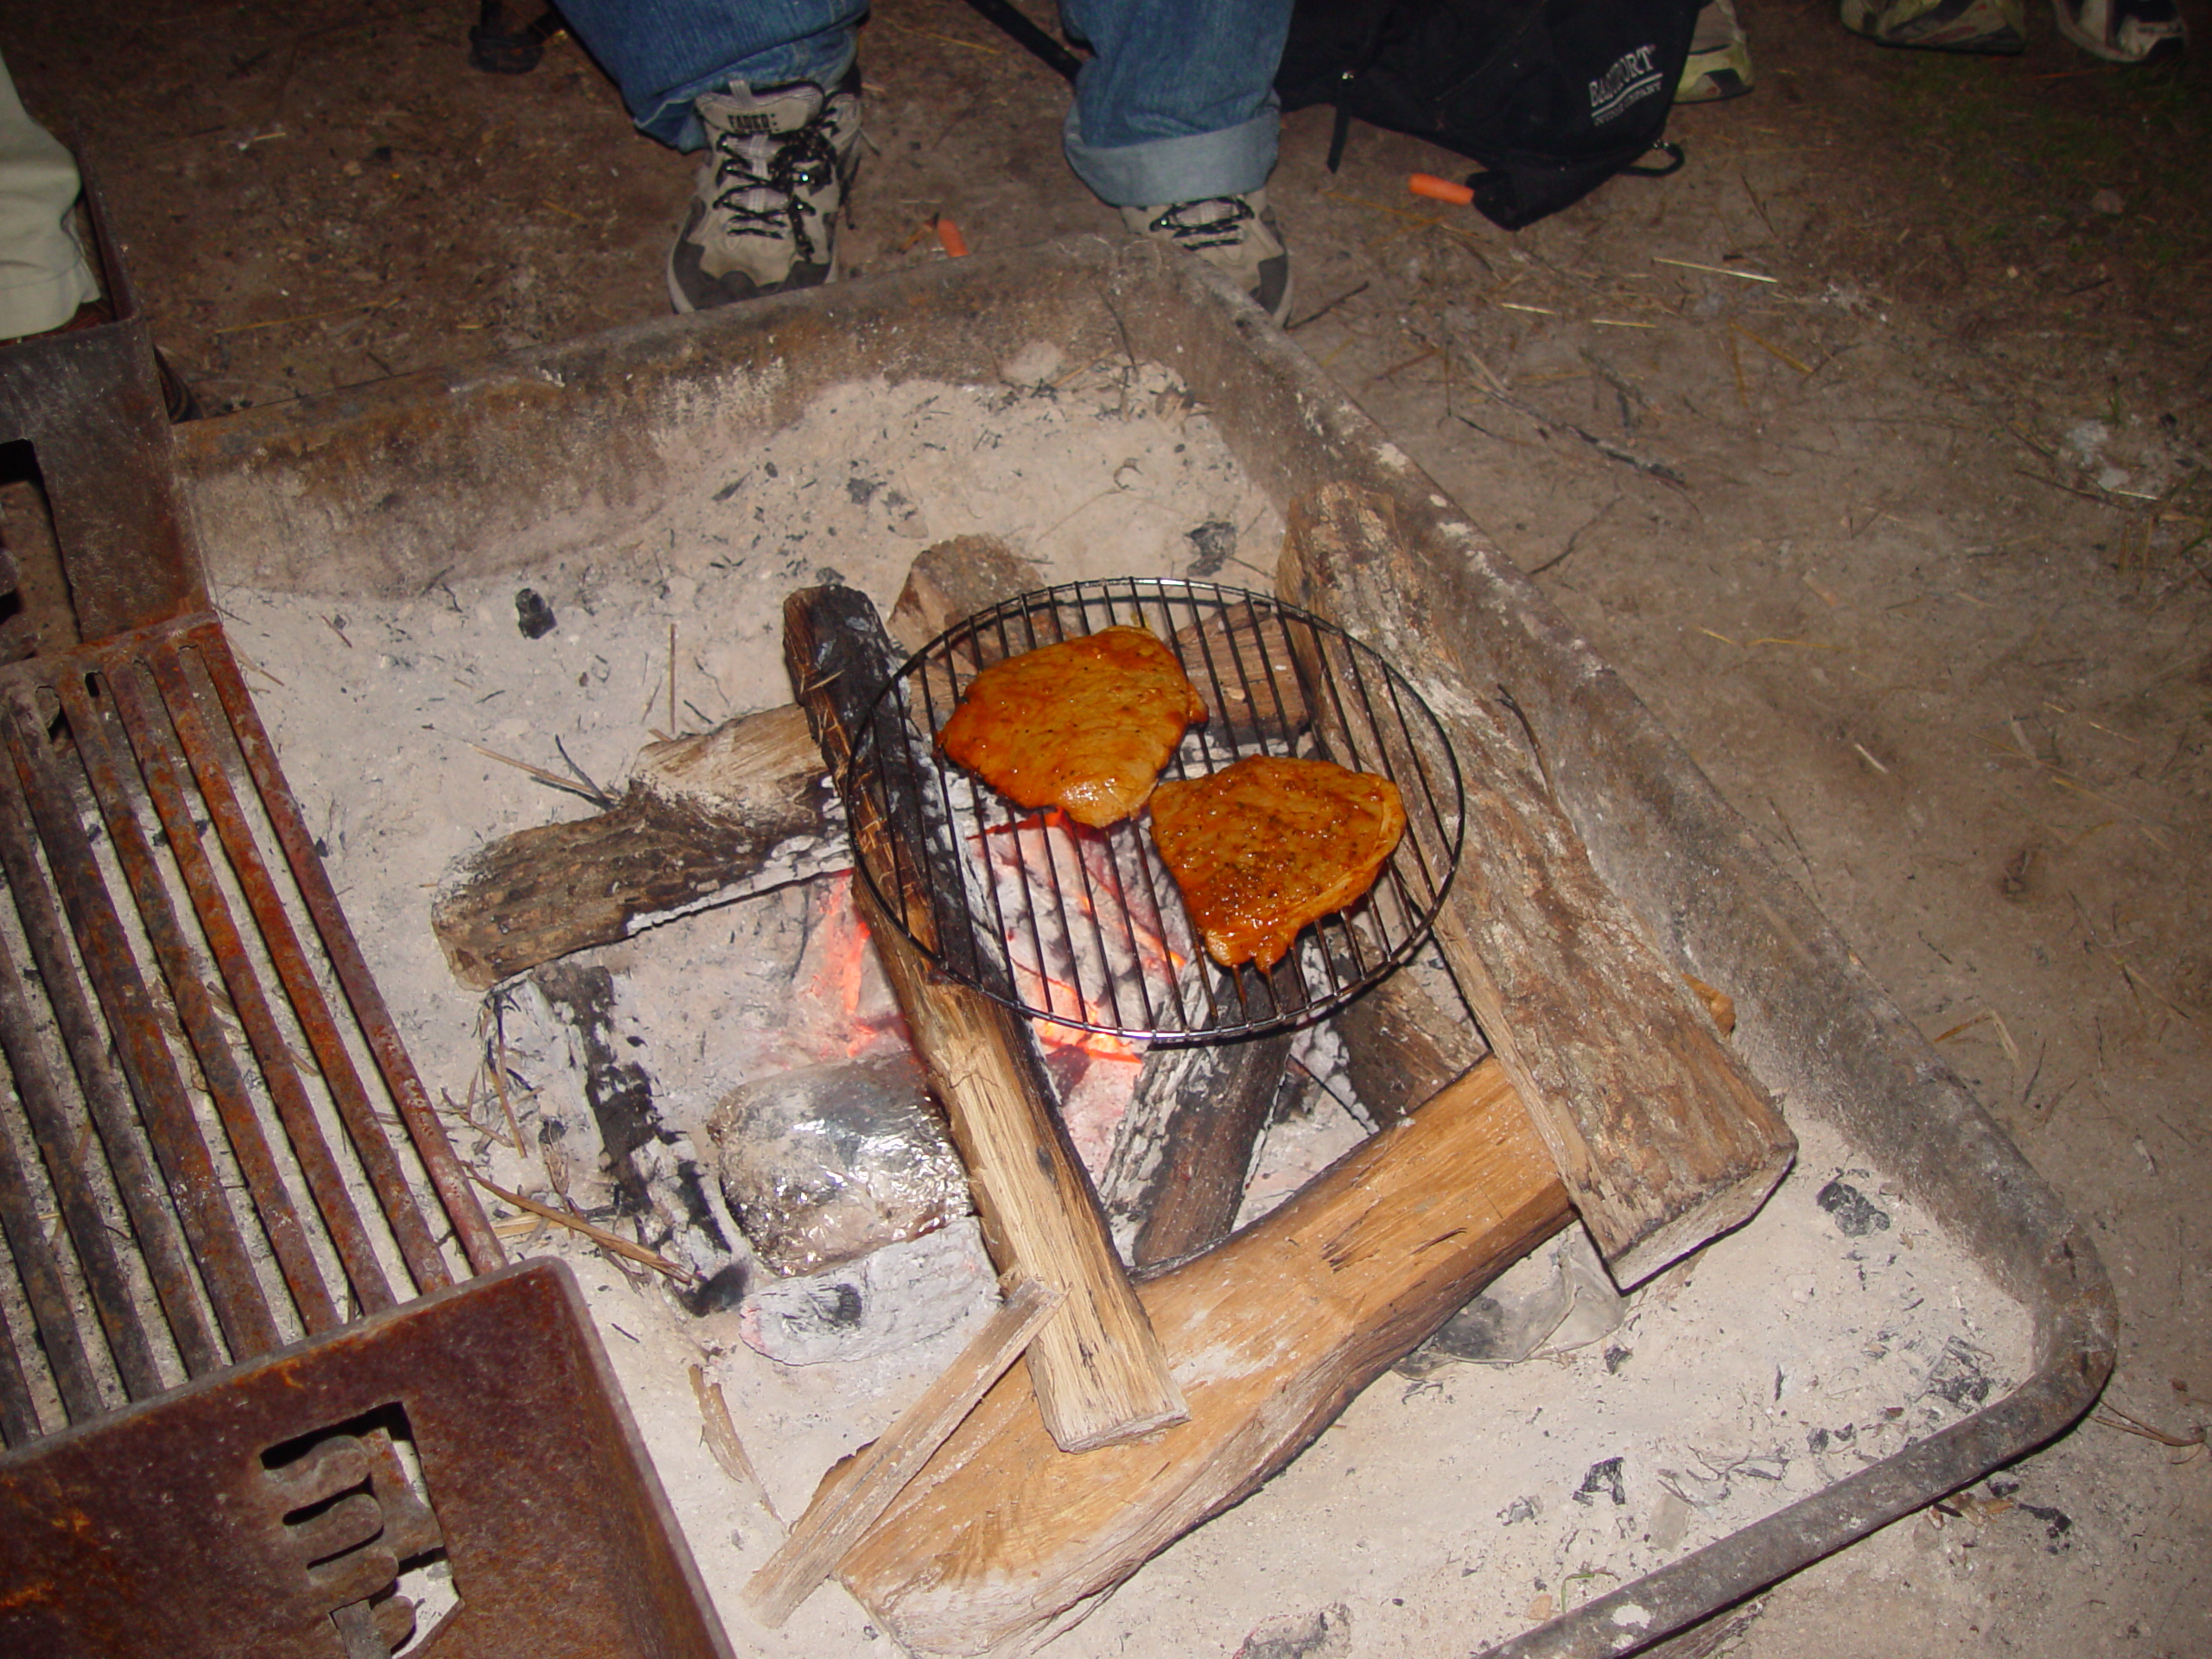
{"x": 703, "y": 819}
{"x": 1096, "y": 1366}
{"x": 1664, "y": 1139}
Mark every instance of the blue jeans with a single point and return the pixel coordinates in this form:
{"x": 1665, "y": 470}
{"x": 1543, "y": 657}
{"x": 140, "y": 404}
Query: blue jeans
{"x": 1177, "y": 103}
{"x": 663, "y": 54}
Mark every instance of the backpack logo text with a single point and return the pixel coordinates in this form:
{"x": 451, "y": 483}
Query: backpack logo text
{"x": 1634, "y": 76}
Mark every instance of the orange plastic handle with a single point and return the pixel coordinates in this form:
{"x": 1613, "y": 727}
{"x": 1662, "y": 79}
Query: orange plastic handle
{"x": 1436, "y": 189}
{"x": 949, "y": 238}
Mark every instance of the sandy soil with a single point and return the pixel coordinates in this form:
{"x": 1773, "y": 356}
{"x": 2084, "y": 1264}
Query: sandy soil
{"x": 1907, "y": 544}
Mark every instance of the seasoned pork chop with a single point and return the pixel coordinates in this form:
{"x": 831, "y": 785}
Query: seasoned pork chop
{"x": 1267, "y": 845}
{"x": 1084, "y": 724}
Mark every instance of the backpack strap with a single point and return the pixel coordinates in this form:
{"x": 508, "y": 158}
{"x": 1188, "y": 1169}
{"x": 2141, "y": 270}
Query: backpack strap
{"x": 1360, "y": 63}
{"x": 1337, "y": 133}
{"x": 1648, "y": 169}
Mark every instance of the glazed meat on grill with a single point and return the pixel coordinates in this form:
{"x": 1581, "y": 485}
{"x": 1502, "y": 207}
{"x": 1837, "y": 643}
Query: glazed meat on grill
{"x": 1084, "y": 724}
{"x": 1268, "y": 844}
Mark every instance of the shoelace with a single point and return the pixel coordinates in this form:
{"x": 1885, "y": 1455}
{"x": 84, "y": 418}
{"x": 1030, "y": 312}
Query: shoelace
{"x": 803, "y": 160}
{"x": 1226, "y": 231}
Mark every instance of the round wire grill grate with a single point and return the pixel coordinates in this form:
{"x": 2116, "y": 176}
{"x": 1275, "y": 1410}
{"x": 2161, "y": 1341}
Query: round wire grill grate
{"x": 1085, "y": 926}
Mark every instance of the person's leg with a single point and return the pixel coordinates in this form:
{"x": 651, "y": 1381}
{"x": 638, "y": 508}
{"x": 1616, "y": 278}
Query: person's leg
{"x": 1175, "y": 122}
{"x": 772, "y": 90}
{"x": 1178, "y": 102}
{"x": 663, "y": 53}
{"x": 43, "y": 276}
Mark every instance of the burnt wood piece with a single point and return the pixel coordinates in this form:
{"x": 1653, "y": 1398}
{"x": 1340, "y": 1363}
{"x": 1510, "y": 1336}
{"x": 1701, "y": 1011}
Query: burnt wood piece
{"x": 1402, "y": 1045}
{"x": 713, "y": 816}
{"x": 1096, "y": 1366}
{"x": 1271, "y": 1334}
{"x": 1184, "y": 1146}
{"x": 1661, "y": 1137}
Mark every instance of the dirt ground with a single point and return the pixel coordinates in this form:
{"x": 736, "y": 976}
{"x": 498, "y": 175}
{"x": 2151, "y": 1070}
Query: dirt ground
{"x": 1871, "y": 447}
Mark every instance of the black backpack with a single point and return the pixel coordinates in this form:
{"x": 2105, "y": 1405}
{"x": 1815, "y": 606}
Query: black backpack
{"x": 1553, "y": 96}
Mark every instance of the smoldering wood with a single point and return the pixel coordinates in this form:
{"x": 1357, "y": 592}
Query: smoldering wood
{"x": 741, "y": 808}
{"x": 1661, "y": 1136}
{"x": 1402, "y": 1044}
{"x": 619, "y": 1091}
{"x": 704, "y": 819}
{"x": 1271, "y": 1335}
{"x": 1184, "y": 1147}
{"x": 1096, "y": 1366}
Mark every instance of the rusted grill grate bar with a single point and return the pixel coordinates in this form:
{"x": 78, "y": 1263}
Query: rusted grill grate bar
{"x": 152, "y": 1223}
{"x": 1086, "y": 925}
{"x": 204, "y": 1093}
{"x": 106, "y": 1280}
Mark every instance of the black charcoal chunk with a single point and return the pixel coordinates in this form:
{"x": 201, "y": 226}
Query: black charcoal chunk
{"x": 1602, "y": 1479}
{"x": 532, "y": 614}
{"x": 1855, "y": 1214}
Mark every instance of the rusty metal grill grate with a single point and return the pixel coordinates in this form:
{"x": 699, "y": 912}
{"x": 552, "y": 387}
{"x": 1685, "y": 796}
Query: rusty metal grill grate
{"x": 214, "y": 1142}
{"x": 1085, "y": 926}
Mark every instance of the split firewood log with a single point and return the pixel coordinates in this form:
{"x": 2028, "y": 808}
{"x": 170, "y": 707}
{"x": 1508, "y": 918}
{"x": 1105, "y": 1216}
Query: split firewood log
{"x": 1268, "y": 1336}
{"x": 702, "y": 819}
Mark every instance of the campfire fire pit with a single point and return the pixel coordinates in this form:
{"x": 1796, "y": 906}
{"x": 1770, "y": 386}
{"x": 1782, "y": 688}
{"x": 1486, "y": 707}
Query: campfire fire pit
{"x": 514, "y": 468}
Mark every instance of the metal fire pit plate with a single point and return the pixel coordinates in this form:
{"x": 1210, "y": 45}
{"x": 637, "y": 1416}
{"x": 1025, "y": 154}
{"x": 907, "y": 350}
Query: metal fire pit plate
{"x": 1085, "y": 926}
{"x": 285, "y": 1508}
{"x": 171, "y": 939}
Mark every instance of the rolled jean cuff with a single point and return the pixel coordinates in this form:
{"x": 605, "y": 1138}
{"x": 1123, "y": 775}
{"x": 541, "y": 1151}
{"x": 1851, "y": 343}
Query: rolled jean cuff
{"x": 822, "y": 60}
{"x": 1162, "y": 171}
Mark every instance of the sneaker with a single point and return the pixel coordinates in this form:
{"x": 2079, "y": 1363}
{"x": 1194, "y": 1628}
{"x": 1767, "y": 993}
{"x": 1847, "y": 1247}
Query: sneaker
{"x": 1235, "y": 234}
{"x": 1940, "y": 25}
{"x": 764, "y": 211}
{"x": 2124, "y": 31}
{"x": 1721, "y": 57}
